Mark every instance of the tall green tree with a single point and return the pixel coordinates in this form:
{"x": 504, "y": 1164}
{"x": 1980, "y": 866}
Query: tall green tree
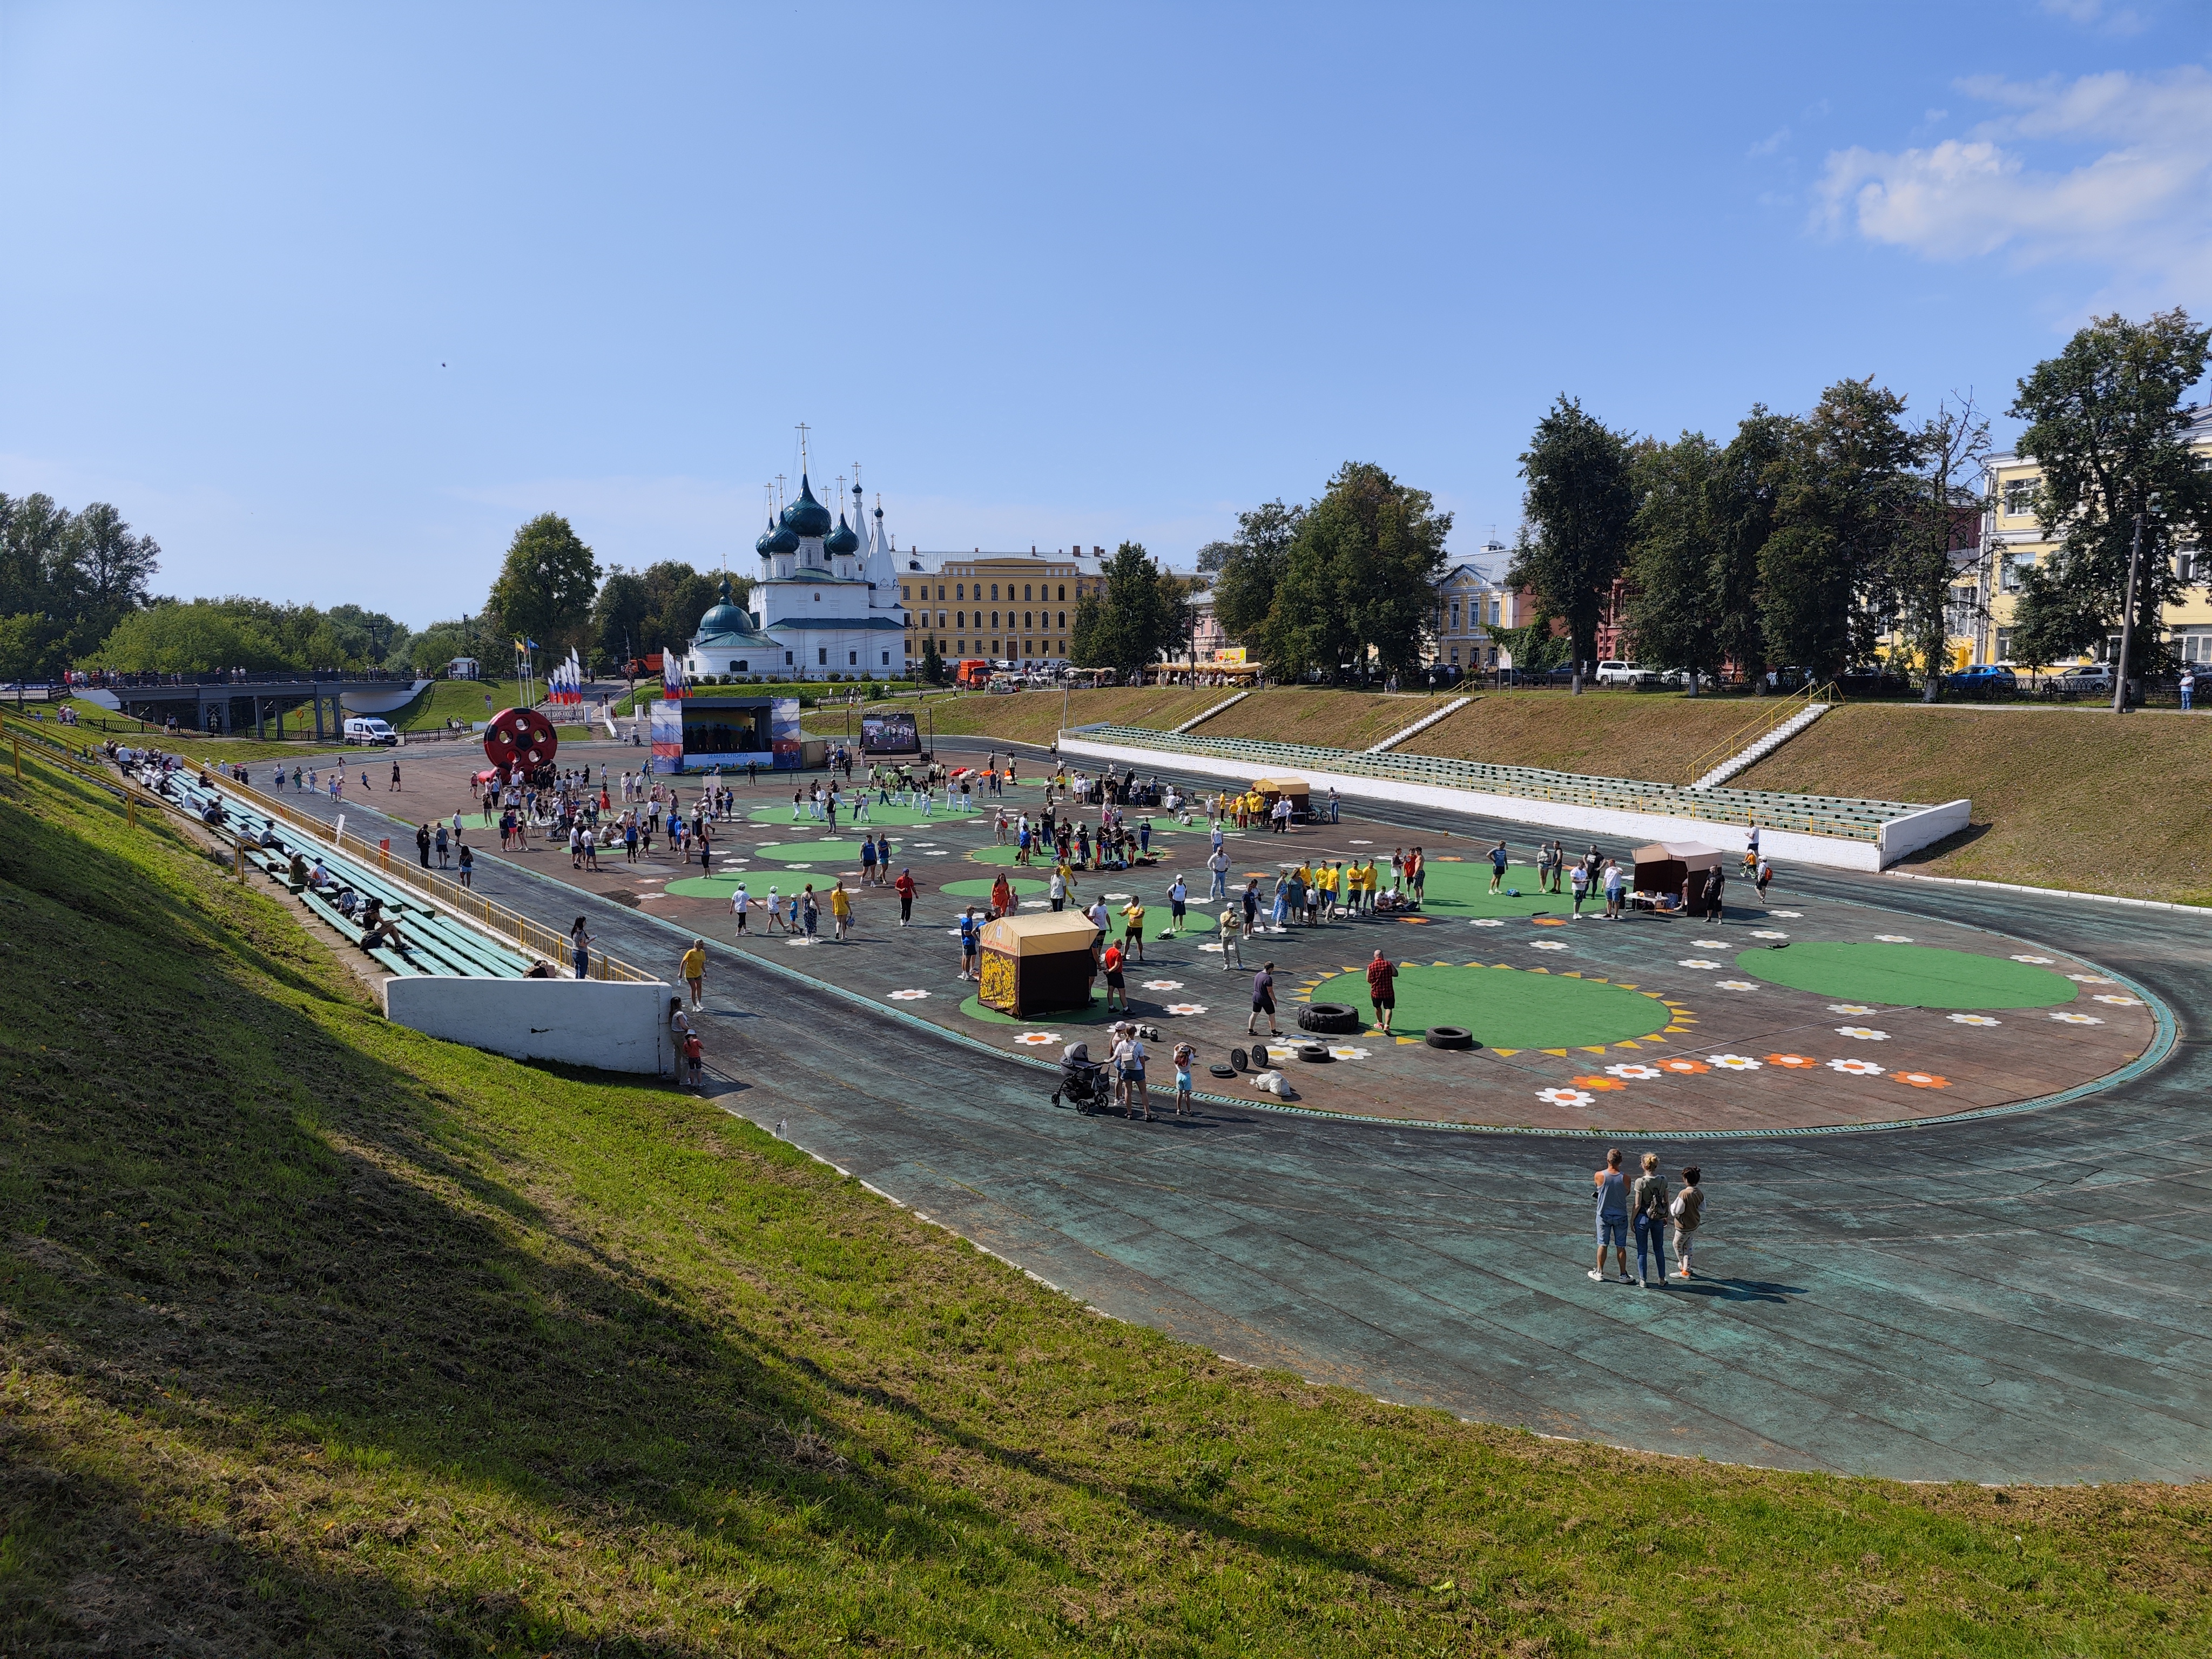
{"x": 1937, "y": 536}
{"x": 202, "y": 636}
{"x": 2107, "y": 424}
{"x": 1744, "y": 492}
{"x": 1847, "y": 488}
{"x": 1580, "y": 505}
{"x": 66, "y": 579}
{"x": 933, "y": 661}
{"x": 1126, "y": 625}
{"x": 546, "y": 585}
{"x": 1249, "y": 571}
{"x": 1358, "y": 582}
{"x": 1676, "y": 562}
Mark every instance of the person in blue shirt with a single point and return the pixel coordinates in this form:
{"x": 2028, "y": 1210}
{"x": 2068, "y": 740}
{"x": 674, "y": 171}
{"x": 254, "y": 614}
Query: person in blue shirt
{"x": 1498, "y": 868}
{"x": 971, "y": 949}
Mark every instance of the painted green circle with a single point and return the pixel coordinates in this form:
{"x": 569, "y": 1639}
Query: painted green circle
{"x": 1507, "y": 1007}
{"x": 1464, "y": 890}
{"x": 812, "y": 851}
{"x": 1908, "y": 976}
{"x": 895, "y": 817}
{"x": 1023, "y": 886}
{"x": 706, "y": 887}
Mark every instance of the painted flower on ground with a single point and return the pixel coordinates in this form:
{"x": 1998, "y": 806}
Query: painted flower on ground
{"x": 1709, "y": 944}
{"x": 1735, "y": 984}
{"x": 1548, "y": 921}
{"x": 1486, "y": 922}
{"x": 2120, "y": 1002}
{"x": 1547, "y": 944}
{"x": 1215, "y": 949}
{"x": 1894, "y": 939}
{"x": 1631, "y": 1071}
{"x": 1794, "y": 1062}
{"x": 1923, "y": 1079}
{"x": 1363, "y": 843}
{"x": 1038, "y": 1039}
{"x": 1597, "y": 1083}
{"x": 1974, "y": 1019}
{"x": 1863, "y": 1033}
{"x": 1696, "y": 962}
{"x": 1035, "y": 904}
{"x": 1565, "y": 1097}
{"x": 1685, "y": 1068}
{"x": 1767, "y": 932}
{"x": 1348, "y": 1053}
{"x": 2040, "y": 960}
{"x": 1848, "y": 1008}
{"x": 1786, "y": 915}
{"x": 2092, "y": 979}
{"x": 1163, "y": 985}
{"x": 908, "y": 996}
{"x": 1734, "y": 1062}
{"x": 1186, "y": 1008}
{"x": 1854, "y": 1067}
{"x": 2077, "y": 1019}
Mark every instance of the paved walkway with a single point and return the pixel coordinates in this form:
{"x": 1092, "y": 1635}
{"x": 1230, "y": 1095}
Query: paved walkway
{"x": 2022, "y": 1297}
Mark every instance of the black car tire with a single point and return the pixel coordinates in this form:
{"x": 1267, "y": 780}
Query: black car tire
{"x": 1450, "y": 1036}
{"x": 1314, "y": 1053}
{"x": 1334, "y": 1018}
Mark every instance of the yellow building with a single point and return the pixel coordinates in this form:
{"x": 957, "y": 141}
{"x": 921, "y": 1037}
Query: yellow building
{"x": 1986, "y": 595}
{"x": 1008, "y": 607}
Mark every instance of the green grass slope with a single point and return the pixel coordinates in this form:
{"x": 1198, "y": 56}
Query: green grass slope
{"x": 2062, "y": 797}
{"x": 320, "y": 1337}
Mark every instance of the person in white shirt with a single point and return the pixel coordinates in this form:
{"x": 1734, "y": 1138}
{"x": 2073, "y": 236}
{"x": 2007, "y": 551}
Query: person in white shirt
{"x": 741, "y": 902}
{"x": 1129, "y": 1071}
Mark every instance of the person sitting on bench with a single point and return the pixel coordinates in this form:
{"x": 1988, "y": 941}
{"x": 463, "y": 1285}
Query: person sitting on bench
{"x": 377, "y": 926}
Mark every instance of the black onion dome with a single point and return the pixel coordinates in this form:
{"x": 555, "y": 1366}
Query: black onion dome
{"x": 807, "y": 517}
{"x": 841, "y": 540}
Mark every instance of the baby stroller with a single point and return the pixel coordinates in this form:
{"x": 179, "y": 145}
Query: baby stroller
{"x": 1082, "y": 1080}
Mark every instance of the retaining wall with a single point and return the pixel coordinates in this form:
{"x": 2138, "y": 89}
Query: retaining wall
{"x": 614, "y": 1025}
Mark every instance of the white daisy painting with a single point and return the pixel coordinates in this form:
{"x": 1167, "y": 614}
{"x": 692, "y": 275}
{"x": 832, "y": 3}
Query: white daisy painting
{"x": 1565, "y": 1097}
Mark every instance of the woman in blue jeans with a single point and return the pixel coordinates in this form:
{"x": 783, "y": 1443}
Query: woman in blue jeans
{"x": 1611, "y": 1215}
{"x": 1648, "y": 1198}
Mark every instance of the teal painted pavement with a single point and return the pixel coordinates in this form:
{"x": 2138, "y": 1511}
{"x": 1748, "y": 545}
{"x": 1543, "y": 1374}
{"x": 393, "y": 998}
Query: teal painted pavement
{"x": 2025, "y": 1296}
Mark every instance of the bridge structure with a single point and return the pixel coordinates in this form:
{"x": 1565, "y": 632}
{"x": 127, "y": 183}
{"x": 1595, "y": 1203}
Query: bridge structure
{"x": 229, "y": 704}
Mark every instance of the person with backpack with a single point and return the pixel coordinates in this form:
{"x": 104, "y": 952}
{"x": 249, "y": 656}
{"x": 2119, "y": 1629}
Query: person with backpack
{"x": 1648, "y": 1198}
{"x": 1688, "y": 1209}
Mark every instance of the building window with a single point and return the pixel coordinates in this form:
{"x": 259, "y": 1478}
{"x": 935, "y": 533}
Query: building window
{"x": 940, "y": 589}
{"x": 995, "y": 616}
{"x": 960, "y": 619}
{"x": 994, "y": 647}
{"x": 2019, "y": 497}
{"x": 994, "y": 590}
{"x": 2189, "y": 564}
{"x": 2004, "y": 645}
{"x": 1493, "y": 613}
{"x": 787, "y": 659}
{"x": 852, "y": 659}
{"x": 1062, "y": 623}
{"x": 887, "y": 659}
{"x": 1454, "y": 656}
{"x": 821, "y": 656}
{"x": 1026, "y": 622}
{"x": 1025, "y": 590}
{"x": 739, "y": 666}
{"x": 1029, "y": 648}
{"x": 1063, "y": 590}
{"x": 959, "y": 591}
{"x": 1062, "y": 648}
{"x": 903, "y": 594}
{"x": 1454, "y": 616}
{"x": 961, "y": 648}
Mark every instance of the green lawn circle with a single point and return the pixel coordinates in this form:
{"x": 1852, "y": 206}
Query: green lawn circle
{"x": 1096, "y": 1014}
{"x": 708, "y": 887}
{"x": 1908, "y": 976}
{"x": 1507, "y": 1007}
{"x": 812, "y": 851}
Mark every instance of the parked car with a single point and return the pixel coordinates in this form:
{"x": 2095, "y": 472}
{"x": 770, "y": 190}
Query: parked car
{"x": 1982, "y": 679}
{"x": 1873, "y": 680}
{"x": 2091, "y": 679}
{"x": 1625, "y": 673}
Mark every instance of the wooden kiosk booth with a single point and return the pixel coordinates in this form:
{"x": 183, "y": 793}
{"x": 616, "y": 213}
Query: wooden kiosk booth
{"x": 1664, "y": 866}
{"x": 1037, "y": 964}
{"x": 1271, "y": 790}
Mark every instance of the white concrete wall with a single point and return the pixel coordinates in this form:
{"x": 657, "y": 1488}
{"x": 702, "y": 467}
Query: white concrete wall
{"x": 1783, "y": 846}
{"x": 613, "y": 1024}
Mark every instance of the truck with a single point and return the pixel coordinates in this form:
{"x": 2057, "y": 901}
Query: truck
{"x": 973, "y": 672}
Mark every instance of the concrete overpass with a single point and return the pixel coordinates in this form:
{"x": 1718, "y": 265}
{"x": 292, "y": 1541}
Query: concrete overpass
{"x": 229, "y": 704}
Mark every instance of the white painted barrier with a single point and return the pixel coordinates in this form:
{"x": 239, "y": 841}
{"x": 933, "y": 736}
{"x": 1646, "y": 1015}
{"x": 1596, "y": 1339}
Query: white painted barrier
{"x": 616, "y": 1025}
{"x": 1897, "y": 837}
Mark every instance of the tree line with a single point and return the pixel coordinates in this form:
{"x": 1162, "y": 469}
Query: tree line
{"x": 1807, "y": 540}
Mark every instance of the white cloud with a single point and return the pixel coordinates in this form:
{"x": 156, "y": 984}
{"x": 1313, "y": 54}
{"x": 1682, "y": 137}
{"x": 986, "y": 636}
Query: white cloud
{"x": 2095, "y": 14}
{"x": 2124, "y": 183}
{"x": 1772, "y": 142}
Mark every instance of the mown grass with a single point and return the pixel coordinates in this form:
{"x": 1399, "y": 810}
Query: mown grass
{"x": 1658, "y": 737}
{"x": 317, "y": 1336}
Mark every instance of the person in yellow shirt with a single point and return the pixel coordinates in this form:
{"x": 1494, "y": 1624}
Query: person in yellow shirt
{"x": 694, "y": 971}
{"x": 1133, "y": 928}
{"x": 840, "y": 906}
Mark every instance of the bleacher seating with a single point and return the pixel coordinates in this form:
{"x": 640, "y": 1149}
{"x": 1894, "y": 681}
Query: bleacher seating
{"x": 1820, "y": 815}
{"x": 435, "y": 942}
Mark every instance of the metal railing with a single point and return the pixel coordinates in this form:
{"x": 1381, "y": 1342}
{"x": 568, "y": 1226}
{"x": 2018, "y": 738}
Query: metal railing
{"x": 1775, "y": 713}
{"x": 531, "y": 937}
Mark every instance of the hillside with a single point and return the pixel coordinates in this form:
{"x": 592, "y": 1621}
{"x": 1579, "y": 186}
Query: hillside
{"x": 321, "y": 1337}
{"x": 2062, "y": 797}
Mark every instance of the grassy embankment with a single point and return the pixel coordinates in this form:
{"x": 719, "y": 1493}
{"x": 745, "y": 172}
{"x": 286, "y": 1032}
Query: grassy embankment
{"x": 319, "y": 1336}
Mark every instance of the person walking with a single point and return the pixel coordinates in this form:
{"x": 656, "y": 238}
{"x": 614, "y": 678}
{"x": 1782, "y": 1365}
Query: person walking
{"x": 1184, "y": 1055}
{"x": 775, "y": 916}
{"x": 579, "y": 950}
{"x": 741, "y": 904}
{"x": 1614, "y": 881}
{"x": 1580, "y": 882}
{"x": 695, "y": 970}
{"x": 1497, "y": 862}
{"x": 1688, "y": 1209}
{"x": 868, "y": 862}
{"x": 1611, "y": 1215}
{"x": 1002, "y": 896}
{"x": 1383, "y": 989}
{"x": 1216, "y": 864}
{"x": 422, "y": 844}
{"x": 905, "y": 890}
{"x": 1760, "y": 877}
{"x": 971, "y": 943}
{"x": 1117, "y": 981}
{"x": 810, "y": 910}
{"x": 1133, "y": 927}
{"x": 1263, "y": 1001}
{"x": 1647, "y": 1198}
{"x": 1178, "y": 897}
{"x": 841, "y": 909}
{"x": 1715, "y": 880}
{"x": 394, "y": 787}
{"x": 468, "y": 867}
{"x": 2188, "y": 688}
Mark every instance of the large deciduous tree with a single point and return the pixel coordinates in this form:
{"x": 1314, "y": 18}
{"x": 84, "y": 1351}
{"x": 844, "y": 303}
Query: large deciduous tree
{"x": 1358, "y": 580}
{"x": 1938, "y": 525}
{"x": 1580, "y": 507}
{"x": 2107, "y": 425}
{"x": 1249, "y": 569}
{"x": 67, "y": 579}
{"x": 546, "y": 585}
{"x": 1674, "y": 604}
{"x": 1128, "y": 622}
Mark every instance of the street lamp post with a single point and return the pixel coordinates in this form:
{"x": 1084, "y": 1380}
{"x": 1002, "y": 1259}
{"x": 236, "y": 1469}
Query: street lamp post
{"x": 2128, "y": 615}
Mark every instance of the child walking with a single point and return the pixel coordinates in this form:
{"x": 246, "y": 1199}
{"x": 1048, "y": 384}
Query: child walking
{"x": 1184, "y": 1055}
{"x": 1687, "y": 1209}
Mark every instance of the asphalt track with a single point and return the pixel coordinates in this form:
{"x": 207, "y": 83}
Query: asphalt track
{"x": 2019, "y": 1297}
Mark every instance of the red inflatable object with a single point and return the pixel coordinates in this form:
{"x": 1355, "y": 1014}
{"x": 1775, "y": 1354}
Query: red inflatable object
{"x": 520, "y": 736}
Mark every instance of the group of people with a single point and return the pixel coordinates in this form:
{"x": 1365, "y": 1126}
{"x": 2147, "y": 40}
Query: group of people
{"x": 1643, "y": 1207}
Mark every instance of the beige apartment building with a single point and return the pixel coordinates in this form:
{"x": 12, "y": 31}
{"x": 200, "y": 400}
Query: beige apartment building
{"x": 1009, "y": 607}
{"x": 1469, "y": 602}
{"x": 1986, "y": 593}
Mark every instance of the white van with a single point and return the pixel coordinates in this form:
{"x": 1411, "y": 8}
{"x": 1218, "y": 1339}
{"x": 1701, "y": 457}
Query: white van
{"x": 370, "y": 730}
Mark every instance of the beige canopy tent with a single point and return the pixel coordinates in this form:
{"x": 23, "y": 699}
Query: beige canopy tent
{"x": 1272, "y": 789}
{"x": 1664, "y": 866}
{"x": 1037, "y": 964}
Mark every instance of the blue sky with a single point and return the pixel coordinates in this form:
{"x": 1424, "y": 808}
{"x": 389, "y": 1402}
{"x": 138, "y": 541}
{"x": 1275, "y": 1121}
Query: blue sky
{"x": 328, "y": 300}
